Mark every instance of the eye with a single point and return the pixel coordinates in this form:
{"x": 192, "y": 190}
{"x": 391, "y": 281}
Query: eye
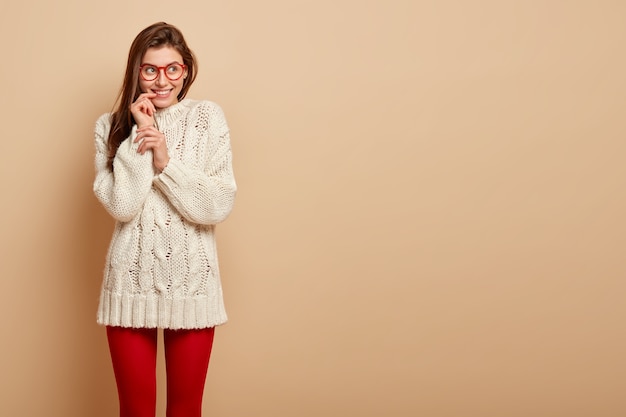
{"x": 149, "y": 71}
{"x": 174, "y": 69}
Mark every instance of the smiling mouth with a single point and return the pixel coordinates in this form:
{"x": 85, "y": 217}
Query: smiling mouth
{"x": 161, "y": 93}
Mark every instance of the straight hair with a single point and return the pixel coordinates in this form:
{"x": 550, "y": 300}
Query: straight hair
{"x": 157, "y": 35}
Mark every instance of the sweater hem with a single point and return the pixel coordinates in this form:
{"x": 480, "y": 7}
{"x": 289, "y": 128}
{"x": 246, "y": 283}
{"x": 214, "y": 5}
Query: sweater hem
{"x": 154, "y": 311}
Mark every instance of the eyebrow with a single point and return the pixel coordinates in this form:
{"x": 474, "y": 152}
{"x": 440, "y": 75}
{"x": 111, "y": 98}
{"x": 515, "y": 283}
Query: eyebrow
{"x": 154, "y": 65}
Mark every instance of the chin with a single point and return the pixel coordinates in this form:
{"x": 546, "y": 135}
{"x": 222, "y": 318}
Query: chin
{"x": 162, "y": 103}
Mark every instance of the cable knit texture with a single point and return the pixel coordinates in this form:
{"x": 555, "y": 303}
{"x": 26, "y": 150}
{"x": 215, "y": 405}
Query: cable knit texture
{"x": 161, "y": 267}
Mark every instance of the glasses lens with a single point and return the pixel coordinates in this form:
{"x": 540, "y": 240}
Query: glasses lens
{"x": 174, "y": 71}
{"x": 149, "y": 72}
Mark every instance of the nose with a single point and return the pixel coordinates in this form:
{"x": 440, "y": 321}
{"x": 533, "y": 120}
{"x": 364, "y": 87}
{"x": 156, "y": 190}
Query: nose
{"x": 161, "y": 79}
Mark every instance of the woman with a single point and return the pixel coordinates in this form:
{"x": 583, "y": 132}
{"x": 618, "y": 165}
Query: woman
{"x": 164, "y": 172}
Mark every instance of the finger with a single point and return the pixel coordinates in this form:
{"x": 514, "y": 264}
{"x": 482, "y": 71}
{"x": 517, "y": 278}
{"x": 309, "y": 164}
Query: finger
{"x": 142, "y": 148}
{"x": 143, "y": 133}
{"x": 146, "y": 95}
{"x": 149, "y": 107}
{"x": 139, "y": 138}
{"x": 146, "y": 130}
{"x": 151, "y": 104}
{"x": 150, "y": 144}
{"x": 144, "y": 98}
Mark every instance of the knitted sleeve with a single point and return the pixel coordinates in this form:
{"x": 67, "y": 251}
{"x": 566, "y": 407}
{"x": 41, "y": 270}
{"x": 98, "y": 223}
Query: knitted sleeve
{"x": 203, "y": 196}
{"x": 123, "y": 191}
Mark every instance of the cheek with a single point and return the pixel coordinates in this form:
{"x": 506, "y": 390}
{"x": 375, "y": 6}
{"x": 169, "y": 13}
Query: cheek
{"x": 144, "y": 85}
{"x": 179, "y": 85}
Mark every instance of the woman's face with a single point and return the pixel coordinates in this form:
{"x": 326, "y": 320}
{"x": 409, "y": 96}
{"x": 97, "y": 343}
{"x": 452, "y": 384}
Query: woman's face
{"x": 160, "y": 62}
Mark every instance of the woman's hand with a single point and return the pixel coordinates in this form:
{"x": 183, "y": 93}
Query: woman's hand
{"x": 150, "y": 138}
{"x": 143, "y": 110}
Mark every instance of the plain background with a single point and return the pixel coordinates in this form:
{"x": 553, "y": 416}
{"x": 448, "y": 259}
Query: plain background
{"x": 430, "y": 210}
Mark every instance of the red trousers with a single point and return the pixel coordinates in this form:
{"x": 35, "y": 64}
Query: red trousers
{"x": 187, "y": 354}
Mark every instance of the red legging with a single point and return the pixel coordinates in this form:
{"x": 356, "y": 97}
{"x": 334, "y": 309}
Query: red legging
{"x": 187, "y": 353}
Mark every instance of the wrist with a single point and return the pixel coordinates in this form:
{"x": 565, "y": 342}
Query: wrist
{"x": 161, "y": 167}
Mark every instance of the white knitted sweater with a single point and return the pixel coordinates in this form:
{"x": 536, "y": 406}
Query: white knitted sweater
{"x": 161, "y": 267}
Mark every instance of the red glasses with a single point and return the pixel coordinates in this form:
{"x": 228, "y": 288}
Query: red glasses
{"x": 172, "y": 71}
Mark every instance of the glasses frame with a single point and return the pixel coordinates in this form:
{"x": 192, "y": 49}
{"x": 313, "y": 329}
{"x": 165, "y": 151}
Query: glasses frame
{"x": 159, "y": 69}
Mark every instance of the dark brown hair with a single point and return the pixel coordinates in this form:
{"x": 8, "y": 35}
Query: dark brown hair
{"x": 154, "y": 36}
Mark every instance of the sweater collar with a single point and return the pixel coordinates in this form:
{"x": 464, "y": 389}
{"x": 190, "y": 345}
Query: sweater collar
{"x": 167, "y": 116}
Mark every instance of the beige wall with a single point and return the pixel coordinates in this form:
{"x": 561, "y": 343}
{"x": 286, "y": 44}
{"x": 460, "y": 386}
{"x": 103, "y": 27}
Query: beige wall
{"x": 430, "y": 215}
